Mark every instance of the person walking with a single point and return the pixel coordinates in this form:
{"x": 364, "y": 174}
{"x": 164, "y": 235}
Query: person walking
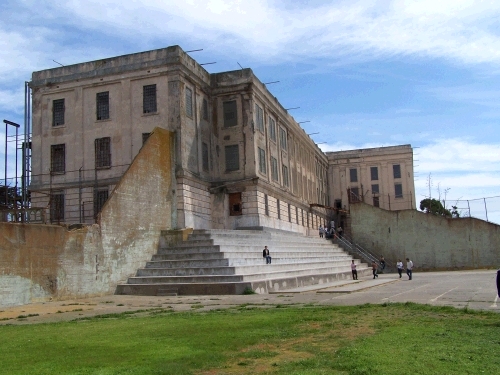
{"x": 354, "y": 271}
{"x": 400, "y": 266}
{"x": 409, "y": 268}
{"x": 266, "y": 254}
{"x": 374, "y": 269}
{"x": 382, "y": 264}
{"x": 321, "y": 231}
{"x": 339, "y": 231}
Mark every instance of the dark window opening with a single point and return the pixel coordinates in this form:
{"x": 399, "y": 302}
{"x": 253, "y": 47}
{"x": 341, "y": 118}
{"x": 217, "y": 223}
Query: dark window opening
{"x": 189, "y": 102}
{"x": 149, "y": 99}
{"x": 289, "y": 213}
{"x": 283, "y": 142}
{"x": 355, "y": 195}
{"x": 204, "y": 155}
{"x": 353, "y": 174}
{"x": 259, "y": 114}
{"x": 145, "y": 137}
{"x": 375, "y": 189}
{"x": 103, "y": 152}
{"x": 396, "y": 169}
{"x": 230, "y": 114}
{"x": 57, "y": 207}
{"x": 235, "y": 204}
{"x": 262, "y": 161}
{"x": 285, "y": 175}
{"x": 398, "y": 190}
{"x": 376, "y": 201}
{"x": 58, "y": 112}
{"x": 102, "y": 105}
{"x": 58, "y": 158}
{"x": 374, "y": 173}
{"x": 232, "y": 158}
{"x": 204, "y": 109}
{"x": 266, "y": 204}
{"x": 274, "y": 169}
{"x": 338, "y": 204}
{"x": 272, "y": 129}
{"x": 278, "y": 207}
{"x": 100, "y": 197}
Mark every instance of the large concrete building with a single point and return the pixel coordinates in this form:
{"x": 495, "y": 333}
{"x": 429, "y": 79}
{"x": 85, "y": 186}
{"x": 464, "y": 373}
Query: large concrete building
{"x": 241, "y": 160}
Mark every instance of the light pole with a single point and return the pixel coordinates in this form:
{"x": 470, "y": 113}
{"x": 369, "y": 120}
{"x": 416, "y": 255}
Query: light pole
{"x": 17, "y": 126}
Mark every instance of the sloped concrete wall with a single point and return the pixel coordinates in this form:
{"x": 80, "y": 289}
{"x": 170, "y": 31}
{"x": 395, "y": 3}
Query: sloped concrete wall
{"x": 431, "y": 242}
{"x": 40, "y": 262}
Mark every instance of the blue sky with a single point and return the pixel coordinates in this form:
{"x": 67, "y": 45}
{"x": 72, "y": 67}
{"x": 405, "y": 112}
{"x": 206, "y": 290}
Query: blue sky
{"x": 365, "y": 73}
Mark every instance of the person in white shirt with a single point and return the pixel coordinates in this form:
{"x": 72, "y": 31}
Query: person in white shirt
{"x": 409, "y": 268}
{"x": 400, "y": 266}
{"x": 354, "y": 271}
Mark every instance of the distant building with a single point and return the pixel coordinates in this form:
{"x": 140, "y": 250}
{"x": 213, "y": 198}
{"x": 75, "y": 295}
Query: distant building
{"x": 382, "y": 177}
{"x": 241, "y": 160}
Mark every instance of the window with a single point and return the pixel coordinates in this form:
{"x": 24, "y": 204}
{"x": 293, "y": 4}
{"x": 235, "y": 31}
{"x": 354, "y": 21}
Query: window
{"x": 103, "y": 152}
{"x": 374, "y": 173}
{"x": 189, "y": 102}
{"x": 102, "y": 105}
{"x": 283, "y": 139}
{"x": 58, "y": 112}
{"x": 355, "y": 195}
{"x": 375, "y": 189}
{"x": 353, "y": 174}
{"x": 297, "y": 214}
{"x": 396, "y": 169}
{"x": 262, "y": 161}
{"x": 57, "y": 207}
{"x": 272, "y": 129}
{"x": 232, "y": 158}
{"x": 259, "y": 118}
{"x": 230, "y": 114}
{"x": 266, "y": 204}
{"x": 289, "y": 213}
{"x": 149, "y": 99}
{"x": 235, "y": 204}
{"x": 204, "y": 109}
{"x": 274, "y": 169}
{"x": 278, "y": 208}
{"x": 285, "y": 175}
{"x": 145, "y": 137}
{"x": 58, "y": 158}
{"x": 204, "y": 155}
{"x": 398, "y": 190}
{"x": 376, "y": 201}
{"x": 100, "y": 197}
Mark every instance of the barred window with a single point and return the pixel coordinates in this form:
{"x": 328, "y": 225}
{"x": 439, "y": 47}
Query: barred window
{"x": 232, "y": 158}
{"x": 289, "y": 213}
{"x": 353, "y": 174}
{"x": 189, "y": 102}
{"x": 266, "y": 204}
{"x": 396, "y": 169}
{"x": 278, "y": 208}
{"x": 204, "y": 154}
{"x": 103, "y": 152}
{"x": 355, "y": 195}
{"x": 204, "y": 109}
{"x": 149, "y": 99}
{"x": 262, "y": 161}
{"x": 58, "y": 112}
{"x": 100, "y": 197}
{"x": 274, "y": 169}
{"x": 272, "y": 129}
{"x": 102, "y": 105}
{"x": 375, "y": 189}
{"x": 283, "y": 139}
{"x": 58, "y": 158}
{"x": 398, "y": 190}
{"x": 374, "y": 173}
{"x": 57, "y": 206}
{"x": 376, "y": 201}
{"x": 259, "y": 118}
{"x": 230, "y": 114}
{"x": 285, "y": 175}
{"x": 145, "y": 137}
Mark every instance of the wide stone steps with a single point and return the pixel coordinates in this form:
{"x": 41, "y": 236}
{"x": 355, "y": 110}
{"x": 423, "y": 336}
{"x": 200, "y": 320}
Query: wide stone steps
{"x": 227, "y": 262}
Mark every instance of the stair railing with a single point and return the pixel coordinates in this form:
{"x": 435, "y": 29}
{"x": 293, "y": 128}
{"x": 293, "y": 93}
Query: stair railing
{"x": 355, "y": 248}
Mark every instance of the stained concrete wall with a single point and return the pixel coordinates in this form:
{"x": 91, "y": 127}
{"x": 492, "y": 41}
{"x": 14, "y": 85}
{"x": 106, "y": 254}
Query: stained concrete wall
{"x": 431, "y": 242}
{"x": 40, "y": 262}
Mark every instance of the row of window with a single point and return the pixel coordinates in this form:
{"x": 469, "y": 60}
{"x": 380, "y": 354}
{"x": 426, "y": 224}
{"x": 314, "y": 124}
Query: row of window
{"x": 355, "y": 195}
{"x": 274, "y": 167}
{"x": 102, "y": 149}
{"x": 353, "y": 173}
{"x": 149, "y": 105}
{"x": 297, "y": 216}
{"x": 57, "y": 204}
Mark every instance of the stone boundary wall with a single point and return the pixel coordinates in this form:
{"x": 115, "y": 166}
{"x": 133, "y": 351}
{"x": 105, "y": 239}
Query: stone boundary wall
{"x": 431, "y": 242}
{"x": 42, "y": 262}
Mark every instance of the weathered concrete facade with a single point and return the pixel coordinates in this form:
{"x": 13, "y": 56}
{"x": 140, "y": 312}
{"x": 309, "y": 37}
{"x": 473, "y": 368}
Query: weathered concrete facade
{"x": 381, "y": 177}
{"x": 38, "y": 262}
{"x": 239, "y": 155}
{"x": 431, "y": 242}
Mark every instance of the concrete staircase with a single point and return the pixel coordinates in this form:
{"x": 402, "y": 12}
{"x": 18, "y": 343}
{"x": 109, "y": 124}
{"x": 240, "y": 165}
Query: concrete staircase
{"x": 230, "y": 261}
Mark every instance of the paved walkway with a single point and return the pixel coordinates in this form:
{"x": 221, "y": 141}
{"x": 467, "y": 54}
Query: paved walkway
{"x": 471, "y": 289}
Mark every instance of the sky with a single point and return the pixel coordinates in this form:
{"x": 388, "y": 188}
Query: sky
{"x": 365, "y": 73}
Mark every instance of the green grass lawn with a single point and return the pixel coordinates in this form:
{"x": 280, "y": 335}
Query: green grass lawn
{"x": 367, "y": 339}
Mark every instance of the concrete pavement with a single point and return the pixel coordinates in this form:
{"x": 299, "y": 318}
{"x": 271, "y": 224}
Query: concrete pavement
{"x": 472, "y": 289}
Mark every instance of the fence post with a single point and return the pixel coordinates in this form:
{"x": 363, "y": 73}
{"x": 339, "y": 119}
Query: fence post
{"x": 486, "y": 209}
{"x": 468, "y": 205}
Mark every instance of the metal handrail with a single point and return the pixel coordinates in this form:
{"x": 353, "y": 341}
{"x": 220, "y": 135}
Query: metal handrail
{"x": 355, "y": 248}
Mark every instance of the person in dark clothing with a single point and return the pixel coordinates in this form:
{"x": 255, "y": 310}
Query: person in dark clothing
{"x": 374, "y": 269}
{"x": 265, "y": 254}
{"x": 498, "y": 282}
{"x": 382, "y": 264}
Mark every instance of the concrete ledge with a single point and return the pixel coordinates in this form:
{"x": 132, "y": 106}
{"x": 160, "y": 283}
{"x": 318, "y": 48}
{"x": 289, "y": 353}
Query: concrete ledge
{"x": 361, "y": 285}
